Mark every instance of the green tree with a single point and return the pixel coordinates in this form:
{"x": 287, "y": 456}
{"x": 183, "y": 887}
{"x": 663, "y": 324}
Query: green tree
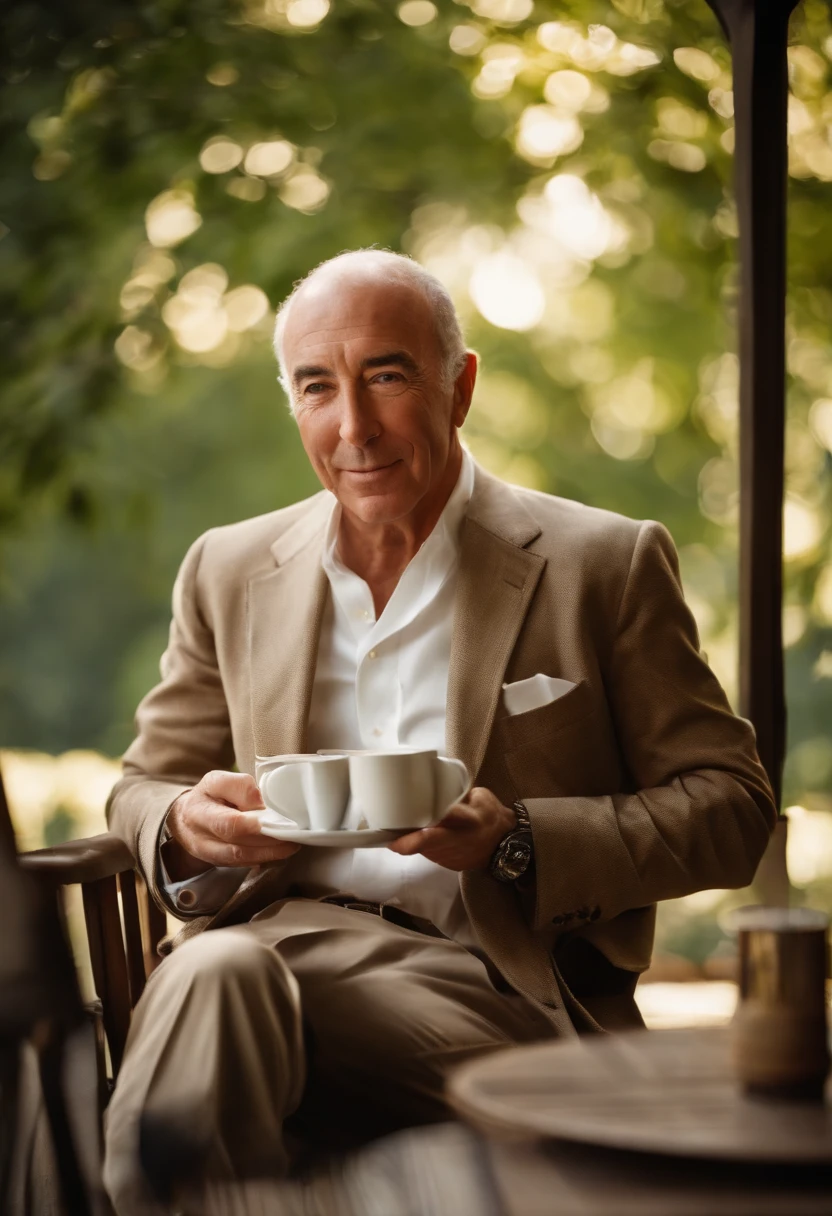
{"x": 171, "y": 168}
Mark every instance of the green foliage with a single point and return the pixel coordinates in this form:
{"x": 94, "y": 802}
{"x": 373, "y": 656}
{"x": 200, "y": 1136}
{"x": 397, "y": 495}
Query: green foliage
{"x": 125, "y": 433}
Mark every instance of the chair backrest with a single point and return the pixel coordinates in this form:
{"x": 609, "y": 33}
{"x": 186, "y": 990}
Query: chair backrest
{"x": 38, "y": 987}
{"x": 37, "y": 972}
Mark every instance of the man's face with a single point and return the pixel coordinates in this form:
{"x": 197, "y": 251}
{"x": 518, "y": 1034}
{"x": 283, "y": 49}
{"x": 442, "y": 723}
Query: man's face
{"x": 365, "y": 369}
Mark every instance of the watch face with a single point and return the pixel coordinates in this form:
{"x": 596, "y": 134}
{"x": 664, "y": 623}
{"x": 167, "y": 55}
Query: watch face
{"x": 516, "y": 858}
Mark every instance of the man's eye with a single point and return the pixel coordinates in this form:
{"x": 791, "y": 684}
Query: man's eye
{"x": 388, "y": 380}
{"x": 317, "y": 387}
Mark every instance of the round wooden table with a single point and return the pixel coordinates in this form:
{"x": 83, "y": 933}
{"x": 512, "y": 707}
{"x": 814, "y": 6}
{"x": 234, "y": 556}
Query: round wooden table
{"x": 669, "y": 1092}
{"x": 648, "y": 1123}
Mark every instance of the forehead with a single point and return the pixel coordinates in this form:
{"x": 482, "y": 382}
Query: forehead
{"x": 338, "y": 311}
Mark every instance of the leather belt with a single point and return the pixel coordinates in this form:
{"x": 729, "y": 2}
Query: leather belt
{"x": 397, "y": 916}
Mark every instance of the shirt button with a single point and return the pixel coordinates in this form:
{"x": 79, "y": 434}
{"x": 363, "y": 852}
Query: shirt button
{"x": 365, "y": 616}
{"x": 377, "y": 732}
{"x": 372, "y": 654}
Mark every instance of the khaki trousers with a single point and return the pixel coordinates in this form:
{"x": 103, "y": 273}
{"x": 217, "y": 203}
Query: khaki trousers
{"x": 332, "y": 1013}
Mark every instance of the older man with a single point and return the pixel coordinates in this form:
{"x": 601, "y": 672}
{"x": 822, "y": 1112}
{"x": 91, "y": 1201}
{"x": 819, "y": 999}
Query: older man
{"x": 406, "y": 605}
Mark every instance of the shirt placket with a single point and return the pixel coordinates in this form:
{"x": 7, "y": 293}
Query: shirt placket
{"x": 379, "y": 700}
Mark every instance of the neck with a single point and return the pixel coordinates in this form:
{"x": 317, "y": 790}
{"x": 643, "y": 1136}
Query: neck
{"x": 380, "y": 552}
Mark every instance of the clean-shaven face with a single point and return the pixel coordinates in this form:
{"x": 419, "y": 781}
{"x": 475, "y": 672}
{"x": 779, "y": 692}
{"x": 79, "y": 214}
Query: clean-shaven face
{"x": 365, "y": 369}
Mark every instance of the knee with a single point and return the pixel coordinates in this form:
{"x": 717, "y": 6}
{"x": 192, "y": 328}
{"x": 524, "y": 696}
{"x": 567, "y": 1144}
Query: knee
{"x": 228, "y": 957}
{"x": 219, "y": 966}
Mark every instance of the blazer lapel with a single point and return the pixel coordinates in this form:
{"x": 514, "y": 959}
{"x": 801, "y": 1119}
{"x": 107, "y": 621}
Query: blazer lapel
{"x": 497, "y": 579}
{"x": 285, "y": 609}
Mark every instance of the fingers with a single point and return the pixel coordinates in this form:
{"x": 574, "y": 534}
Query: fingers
{"x": 406, "y": 846}
{"x": 205, "y": 821}
{"x": 480, "y": 799}
{"x": 234, "y": 827}
{"x": 236, "y": 789}
{"x": 459, "y": 816}
{"x": 466, "y": 837}
{"x": 419, "y": 842}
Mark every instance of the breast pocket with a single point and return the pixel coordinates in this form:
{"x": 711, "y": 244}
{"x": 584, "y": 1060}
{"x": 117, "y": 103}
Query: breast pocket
{"x": 556, "y": 749}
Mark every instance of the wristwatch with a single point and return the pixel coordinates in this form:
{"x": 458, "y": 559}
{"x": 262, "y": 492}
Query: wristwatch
{"x": 514, "y": 854}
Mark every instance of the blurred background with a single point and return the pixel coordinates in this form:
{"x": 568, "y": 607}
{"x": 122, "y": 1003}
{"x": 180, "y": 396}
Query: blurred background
{"x": 170, "y": 167}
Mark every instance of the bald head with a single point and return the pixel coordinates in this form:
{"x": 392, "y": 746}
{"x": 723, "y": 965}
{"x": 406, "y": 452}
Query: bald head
{"x": 373, "y": 269}
{"x": 380, "y": 383}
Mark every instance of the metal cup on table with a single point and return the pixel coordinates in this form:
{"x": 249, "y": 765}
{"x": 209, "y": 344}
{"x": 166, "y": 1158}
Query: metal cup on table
{"x": 780, "y": 1036}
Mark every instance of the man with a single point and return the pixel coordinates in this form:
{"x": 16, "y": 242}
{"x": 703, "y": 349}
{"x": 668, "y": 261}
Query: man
{"x": 406, "y": 605}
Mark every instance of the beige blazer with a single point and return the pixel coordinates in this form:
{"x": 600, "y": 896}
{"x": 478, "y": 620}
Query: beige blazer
{"x": 640, "y": 782}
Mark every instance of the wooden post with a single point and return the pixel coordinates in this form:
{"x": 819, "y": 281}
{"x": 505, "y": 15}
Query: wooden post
{"x": 758, "y": 33}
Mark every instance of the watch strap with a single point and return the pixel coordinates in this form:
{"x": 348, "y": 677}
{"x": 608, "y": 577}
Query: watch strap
{"x": 523, "y": 820}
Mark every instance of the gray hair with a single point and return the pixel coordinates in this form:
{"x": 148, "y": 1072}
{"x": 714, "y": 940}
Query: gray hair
{"x": 398, "y": 268}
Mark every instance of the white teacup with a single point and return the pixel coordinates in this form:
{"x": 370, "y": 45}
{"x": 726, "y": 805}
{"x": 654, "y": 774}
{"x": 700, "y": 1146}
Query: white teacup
{"x": 314, "y": 792}
{"x": 404, "y": 789}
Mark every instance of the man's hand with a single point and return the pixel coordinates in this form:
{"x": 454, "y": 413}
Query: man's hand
{"x": 214, "y": 824}
{"x": 466, "y": 838}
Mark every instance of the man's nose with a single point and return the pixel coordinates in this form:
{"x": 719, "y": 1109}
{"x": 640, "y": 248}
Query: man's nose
{"x": 358, "y": 425}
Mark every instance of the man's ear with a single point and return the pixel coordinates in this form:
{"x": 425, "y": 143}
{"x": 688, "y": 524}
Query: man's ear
{"x": 464, "y": 389}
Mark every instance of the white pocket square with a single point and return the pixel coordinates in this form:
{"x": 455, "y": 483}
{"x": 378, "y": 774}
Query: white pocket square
{"x": 539, "y": 690}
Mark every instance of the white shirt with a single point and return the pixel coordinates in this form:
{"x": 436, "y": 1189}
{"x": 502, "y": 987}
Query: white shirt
{"x": 383, "y": 683}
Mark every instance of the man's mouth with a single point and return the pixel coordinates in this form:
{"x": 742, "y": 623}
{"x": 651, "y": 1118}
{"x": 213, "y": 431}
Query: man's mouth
{"x": 379, "y": 468}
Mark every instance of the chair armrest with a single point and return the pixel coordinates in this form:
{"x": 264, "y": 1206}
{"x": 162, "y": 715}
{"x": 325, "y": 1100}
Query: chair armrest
{"x": 80, "y": 860}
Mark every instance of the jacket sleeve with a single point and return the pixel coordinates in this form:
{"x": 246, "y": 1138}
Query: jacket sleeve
{"x": 703, "y": 808}
{"x": 183, "y": 730}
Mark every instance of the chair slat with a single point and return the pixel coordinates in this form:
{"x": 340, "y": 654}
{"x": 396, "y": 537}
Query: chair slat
{"x": 108, "y": 960}
{"x": 132, "y": 935}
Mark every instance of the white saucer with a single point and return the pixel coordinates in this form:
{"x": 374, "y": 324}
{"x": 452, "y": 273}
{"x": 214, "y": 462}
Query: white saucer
{"x": 340, "y": 838}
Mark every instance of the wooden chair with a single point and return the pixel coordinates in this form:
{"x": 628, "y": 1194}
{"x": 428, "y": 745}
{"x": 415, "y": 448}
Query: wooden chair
{"x": 50, "y": 1142}
{"x": 123, "y": 926}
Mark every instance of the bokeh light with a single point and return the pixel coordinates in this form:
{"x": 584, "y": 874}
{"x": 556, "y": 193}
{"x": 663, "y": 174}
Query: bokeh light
{"x": 417, "y": 12}
{"x": 467, "y": 39}
{"x": 802, "y": 528}
{"x": 220, "y": 155}
{"x": 696, "y": 63}
{"x": 245, "y": 307}
{"x": 135, "y": 348}
{"x": 222, "y": 75}
{"x": 507, "y": 292}
{"x": 501, "y": 63}
{"x": 171, "y": 218}
{"x": 305, "y": 190}
{"x": 822, "y": 601}
{"x": 305, "y": 14}
{"x": 544, "y": 133}
{"x": 507, "y": 12}
{"x": 571, "y": 90}
{"x": 809, "y": 844}
{"x": 269, "y": 159}
{"x": 820, "y": 420}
